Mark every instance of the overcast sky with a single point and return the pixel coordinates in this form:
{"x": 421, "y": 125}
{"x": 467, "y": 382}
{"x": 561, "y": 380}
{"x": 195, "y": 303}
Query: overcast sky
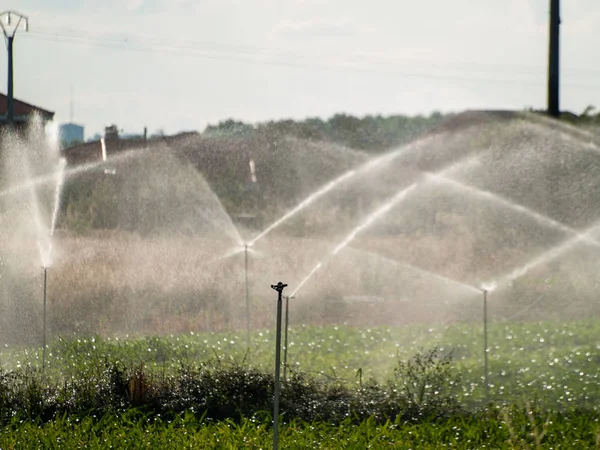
{"x": 180, "y": 64}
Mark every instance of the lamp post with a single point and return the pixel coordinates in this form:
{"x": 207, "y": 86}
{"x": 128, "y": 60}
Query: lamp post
{"x": 7, "y": 19}
{"x": 279, "y": 288}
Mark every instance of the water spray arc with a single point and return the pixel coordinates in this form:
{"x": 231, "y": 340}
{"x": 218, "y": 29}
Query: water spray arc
{"x": 365, "y": 167}
{"x": 485, "y": 289}
{"x": 568, "y": 244}
{"x": 381, "y": 211}
{"x": 490, "y": 196}
{"x": 279, "y": 288}
{"x": 372, "y": 218}
{"x": 307, "y": 201}
{"x": 73, "y": 171}
{"x": 60, "y": 179}
{"x": 416, "y": 269}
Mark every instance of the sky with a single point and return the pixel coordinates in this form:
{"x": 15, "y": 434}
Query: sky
{"x": 175, "y": 65}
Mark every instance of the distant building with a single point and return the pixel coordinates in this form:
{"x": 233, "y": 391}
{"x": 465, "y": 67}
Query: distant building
{"x": 113, "y": 142}
{"x": 111, "y": 133}
{"x": 96, "y": 137}
{"x": 23, "y": 113}
{"x": 70, "y": 133}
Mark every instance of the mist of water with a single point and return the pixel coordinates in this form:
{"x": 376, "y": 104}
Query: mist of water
{"x": 219, "y": 214}
{"x": 582, "y": 137}
{"x": 501, "y": 201}
{"x": 419, "y": 270}
{"x": 180, "y": 257}
{"x": 70, "y": 172}
{"x": 306, "y": 278}
{"x": 382, "y": 210}
{"x": 42, "y": 231}
{"x": 549, "y": 255}
{"x": 303, "y": 204}
{"x": 368, "y": 166}
{"x": 60, "y": 179}
{"x": 550, "y": 124}
{"x": 236, "y": 251}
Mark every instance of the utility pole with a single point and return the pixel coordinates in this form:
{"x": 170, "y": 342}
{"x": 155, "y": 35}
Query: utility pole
{"x": 553, "y": 61}
{"x": 7, "y": 19}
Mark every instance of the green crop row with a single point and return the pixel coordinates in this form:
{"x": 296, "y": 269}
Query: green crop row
{"x": 502, "y": 428}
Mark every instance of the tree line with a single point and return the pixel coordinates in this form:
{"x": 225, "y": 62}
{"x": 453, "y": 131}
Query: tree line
{"x": 369, "y": 133}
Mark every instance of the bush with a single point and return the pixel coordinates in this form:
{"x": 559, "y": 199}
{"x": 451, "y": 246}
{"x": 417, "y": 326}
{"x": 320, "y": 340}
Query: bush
{"x": 218, "y": 392}
{"x": 426, "y": 385}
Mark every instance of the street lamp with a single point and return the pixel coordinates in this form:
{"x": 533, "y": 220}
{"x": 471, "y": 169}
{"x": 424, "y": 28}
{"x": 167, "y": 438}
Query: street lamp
{"x": 7, "y": 19}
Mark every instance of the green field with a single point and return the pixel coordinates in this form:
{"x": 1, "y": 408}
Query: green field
{"x": 507, "y": 430}
{"x": 550, "y": 369}
{"x": 557, "y": 363}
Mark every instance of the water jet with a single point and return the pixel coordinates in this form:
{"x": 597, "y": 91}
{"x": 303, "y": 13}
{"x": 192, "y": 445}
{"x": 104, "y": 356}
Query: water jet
{"x": 365, "y": 167}
{"x": 490, "y": 196}
{"x": 384, "y": 209}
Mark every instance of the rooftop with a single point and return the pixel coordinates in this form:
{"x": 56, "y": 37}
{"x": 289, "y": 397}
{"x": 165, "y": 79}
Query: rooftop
{"x": 22, "y": 110}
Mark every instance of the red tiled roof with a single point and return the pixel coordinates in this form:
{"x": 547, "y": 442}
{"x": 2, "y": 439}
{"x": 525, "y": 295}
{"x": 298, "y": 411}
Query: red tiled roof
{"x": 22, "y": 109}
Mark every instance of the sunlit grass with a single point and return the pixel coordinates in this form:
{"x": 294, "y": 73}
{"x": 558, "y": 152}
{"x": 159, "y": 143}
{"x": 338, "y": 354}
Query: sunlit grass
{"x": 499, "y": 429}
{"x": 554, "y": 363}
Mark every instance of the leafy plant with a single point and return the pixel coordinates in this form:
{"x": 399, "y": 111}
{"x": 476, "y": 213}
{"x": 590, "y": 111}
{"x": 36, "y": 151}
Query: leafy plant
{"x": 426, "y": 382}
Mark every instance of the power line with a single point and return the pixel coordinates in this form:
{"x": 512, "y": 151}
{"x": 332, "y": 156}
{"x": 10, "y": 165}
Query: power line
{"x": 130, "y": 42}
{"x": 267, "y": 57}
{"x": 223, "y": 47}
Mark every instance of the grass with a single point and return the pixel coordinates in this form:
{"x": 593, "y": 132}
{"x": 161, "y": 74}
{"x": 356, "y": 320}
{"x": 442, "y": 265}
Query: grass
{"x": 544, "y": 385}
{"x": 553, "y": 363}
{"x": 514, "y": 429}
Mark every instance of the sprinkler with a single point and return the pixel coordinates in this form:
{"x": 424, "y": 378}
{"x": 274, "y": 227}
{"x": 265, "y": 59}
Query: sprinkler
{"x": 485, "y": 349}
{"x": 44, "y": 325}
{"x": 285, "y": 336}
{"x": 247, "y": 296}
{"x": 279, "y": 288}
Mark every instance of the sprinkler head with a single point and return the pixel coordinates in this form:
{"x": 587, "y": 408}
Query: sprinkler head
{"x": 488, "y": 287}
{"x": 278, "y": 287}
